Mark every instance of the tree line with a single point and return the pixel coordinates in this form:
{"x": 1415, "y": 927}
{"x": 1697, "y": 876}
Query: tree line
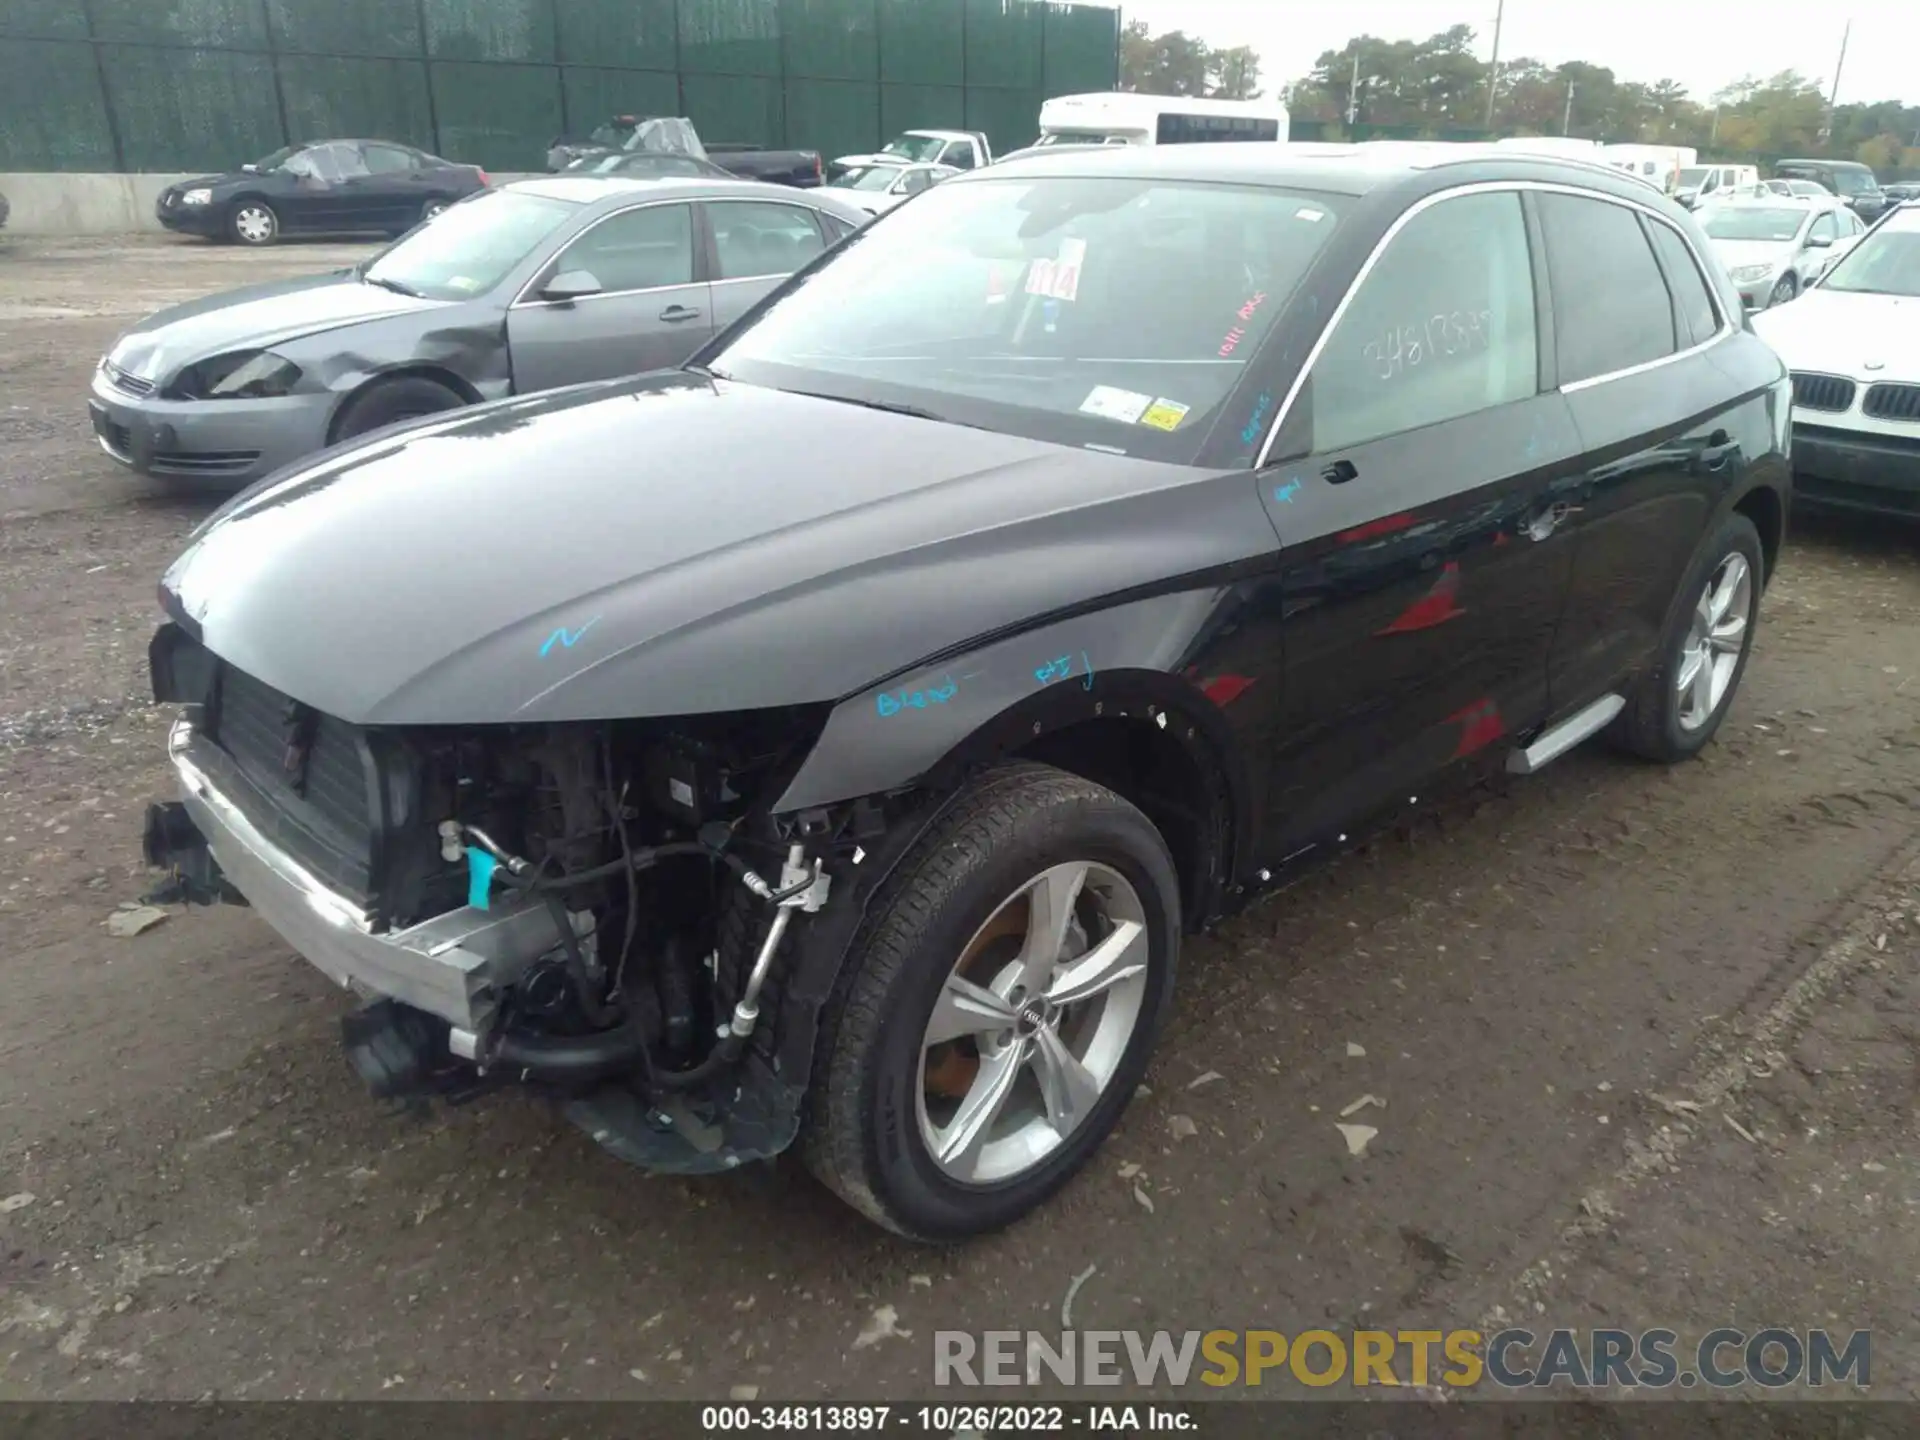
{"x": 1438, "y": 87}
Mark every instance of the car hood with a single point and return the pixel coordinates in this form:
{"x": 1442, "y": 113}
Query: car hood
{"x": 1735, "y": 253}
{"x": 1840, "y": 332}
{"x": 669, "y": 545}
{"x": 253, "y": 318}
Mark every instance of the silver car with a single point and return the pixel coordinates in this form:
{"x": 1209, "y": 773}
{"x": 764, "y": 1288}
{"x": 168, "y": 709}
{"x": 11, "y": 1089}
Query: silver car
{"x": 1776, "y": 247}
{"x": 529, "y": 286}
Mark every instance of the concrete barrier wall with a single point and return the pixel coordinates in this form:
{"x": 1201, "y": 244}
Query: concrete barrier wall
{"x": 52, "y": 203}
{"x": 80, "y": 204}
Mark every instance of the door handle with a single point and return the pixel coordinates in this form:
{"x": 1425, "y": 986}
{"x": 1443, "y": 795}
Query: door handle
{"x": 1340, "y": 472}
{"x": 674, "y": 314}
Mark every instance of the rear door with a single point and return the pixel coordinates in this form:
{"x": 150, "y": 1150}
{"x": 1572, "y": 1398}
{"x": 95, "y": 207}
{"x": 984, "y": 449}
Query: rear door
{"x": 756, "y": 245}
{"x": 1636, "y": 324}
{"x": 1421, "y": 575}
{"x": 397, "y": 185}
{"x": 652, "y": 310}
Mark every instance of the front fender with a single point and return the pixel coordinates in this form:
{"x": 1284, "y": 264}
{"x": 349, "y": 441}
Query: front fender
{"x": 931, "y": 723}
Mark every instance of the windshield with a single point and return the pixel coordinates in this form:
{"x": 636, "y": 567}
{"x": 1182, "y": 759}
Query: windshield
{"x": 1755, "y": 223}
{"x": 1116, "y": 313}
{"x": 915, "y": 147}
{"x": 1074, "y": 137}
{"x": 613, "y": 134}
{"x": 1854, "y": 182}
{"x": 469, "y": 248}
{"x": 278, "y": 157}
{"x": 1886, "y": 262}
{"x": 1690, "y": 176}
{"x": 869, "y": 177}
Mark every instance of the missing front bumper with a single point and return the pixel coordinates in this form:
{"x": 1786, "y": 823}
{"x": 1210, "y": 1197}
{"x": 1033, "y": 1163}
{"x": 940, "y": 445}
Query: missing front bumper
{"x": 452, "y": 966}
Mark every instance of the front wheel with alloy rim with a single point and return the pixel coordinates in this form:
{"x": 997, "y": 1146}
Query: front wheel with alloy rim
{"x": 1679, "y": 704}
{"x": 998, "y": 1007}
{"x": 254, "y": 222}
{"x": 1784, "y": 289}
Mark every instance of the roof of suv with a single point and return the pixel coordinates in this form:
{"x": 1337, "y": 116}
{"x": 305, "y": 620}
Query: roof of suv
{"x": 1335, "y": 168}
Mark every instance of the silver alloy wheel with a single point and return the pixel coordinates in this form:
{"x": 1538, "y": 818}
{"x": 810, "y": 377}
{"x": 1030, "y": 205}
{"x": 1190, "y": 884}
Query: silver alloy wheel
{"x": 1714, "y": 641}
{"x": 1033, "y": 1022}
{"x": 1784, "y": 289}
{"x": 254, "y": 223}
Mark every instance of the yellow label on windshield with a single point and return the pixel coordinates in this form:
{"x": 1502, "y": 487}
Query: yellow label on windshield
{"x": 1165, "y": 415}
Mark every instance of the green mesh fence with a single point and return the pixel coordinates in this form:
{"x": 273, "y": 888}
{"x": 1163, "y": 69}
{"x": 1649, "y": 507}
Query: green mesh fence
{"x": 328, "y": 95}
{"x": 43, "y": 20}
{"x": 199, "y": 85}
{"x": 65, "y": 128}
{"x": 345, "y": 27}
{"x": 622, "y": 34}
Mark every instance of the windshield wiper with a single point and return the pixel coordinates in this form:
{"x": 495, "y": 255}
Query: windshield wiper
{"x": 393, "y": 285}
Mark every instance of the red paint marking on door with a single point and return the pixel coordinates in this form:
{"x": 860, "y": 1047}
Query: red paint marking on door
{"x": 1436, "y": 607}
{"x": 1223, "y": 690}
{"x": 1480, "y": 725}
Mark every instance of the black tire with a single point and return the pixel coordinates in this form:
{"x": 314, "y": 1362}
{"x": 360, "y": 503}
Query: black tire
{"x": 253, "y": 222}
{"x": 861, "y": 1135}
{"x": 1651, "y": 725}
{"x": 1785, "y": 289}
{"x": 388, "y": 402}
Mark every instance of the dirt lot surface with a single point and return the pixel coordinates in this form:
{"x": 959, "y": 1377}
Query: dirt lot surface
{"x": 1646, "y": 1043}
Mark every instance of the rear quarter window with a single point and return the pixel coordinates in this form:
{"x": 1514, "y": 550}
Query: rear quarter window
{"x": 1691, "y": 295}
{"x": 1611, "y": 307}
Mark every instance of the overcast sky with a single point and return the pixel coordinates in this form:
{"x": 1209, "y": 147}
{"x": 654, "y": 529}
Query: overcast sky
{"x": 1704, "y": 44}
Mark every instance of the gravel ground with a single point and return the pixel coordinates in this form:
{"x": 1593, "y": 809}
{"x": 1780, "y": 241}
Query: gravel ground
{"x": 1633, "y": 1028}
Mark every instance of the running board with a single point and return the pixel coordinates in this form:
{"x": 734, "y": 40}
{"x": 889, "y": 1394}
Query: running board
{"x": 1563, "y": 737}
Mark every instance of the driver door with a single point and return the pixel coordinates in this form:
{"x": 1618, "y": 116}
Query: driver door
{"x": 651, "y": 310}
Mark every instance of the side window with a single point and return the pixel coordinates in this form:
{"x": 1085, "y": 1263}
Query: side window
{"x": 959, "y": 154}
{"x": 756, "y": 237}
{"x": 836, "y": 228}
{"x": 1824, "y": 228}
{"x": 1610, "y": 307}
{"x": 1690, "y": 292}
{"x": 338, "y": 162}
{"x": 642, "y": 249}
{"x": 914, "y": 181}
{"x": 1442, "y": 326}
{"x": 389, "y": 159}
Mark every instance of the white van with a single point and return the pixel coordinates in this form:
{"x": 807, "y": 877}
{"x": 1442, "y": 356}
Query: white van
{"x": 1127, "y": 119}
{"x": 1658, "y": 165}
{"x": 1706, "y": 184}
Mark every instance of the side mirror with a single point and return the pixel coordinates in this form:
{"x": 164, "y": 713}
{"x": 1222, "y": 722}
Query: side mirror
{"x": 251, "y": 168}
{"x": 1819, "y": 242}
{"x": 571, "y": 285}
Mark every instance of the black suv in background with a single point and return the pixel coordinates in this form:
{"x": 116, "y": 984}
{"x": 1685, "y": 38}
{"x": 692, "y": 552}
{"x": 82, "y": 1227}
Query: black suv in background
{"x": 1849, "y": 179}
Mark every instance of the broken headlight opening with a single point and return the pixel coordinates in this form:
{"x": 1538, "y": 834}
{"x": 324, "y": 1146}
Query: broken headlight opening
{"x": 244, "y": 375}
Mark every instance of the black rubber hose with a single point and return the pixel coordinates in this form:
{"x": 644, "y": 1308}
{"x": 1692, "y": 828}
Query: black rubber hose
{"x": 575, "y": 1059}
{"x": 591, "y": 1005}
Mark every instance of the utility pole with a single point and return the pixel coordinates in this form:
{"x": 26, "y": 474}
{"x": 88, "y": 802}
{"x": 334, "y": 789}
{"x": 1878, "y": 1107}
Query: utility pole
{"x": 1833, "y": 95}
{"x": 1353, "y": 92}
{"x": 1493, "y": 65}
{"x": 1713, "y": 135}
{"x": 1566, "y": 121}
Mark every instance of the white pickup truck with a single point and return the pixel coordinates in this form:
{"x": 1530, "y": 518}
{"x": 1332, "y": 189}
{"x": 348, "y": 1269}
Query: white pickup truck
{"x": 961, "y": 149}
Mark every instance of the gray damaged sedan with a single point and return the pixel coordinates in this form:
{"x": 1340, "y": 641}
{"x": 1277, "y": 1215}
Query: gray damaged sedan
{"x": 533, "y": 285}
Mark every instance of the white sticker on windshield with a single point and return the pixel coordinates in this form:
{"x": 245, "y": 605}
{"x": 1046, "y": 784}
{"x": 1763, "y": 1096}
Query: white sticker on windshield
{"x": 1309, "y": 214}
{"x": 1059, "y": 279}
{"x": 1111, "y": 404}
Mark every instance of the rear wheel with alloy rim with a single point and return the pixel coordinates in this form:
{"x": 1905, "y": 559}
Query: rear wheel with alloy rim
{"x": 998, "y": 1009}
{"x": 432, "y": 208}
{"x": 1678, "y": 705}
{"x": 254, "y": 223}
